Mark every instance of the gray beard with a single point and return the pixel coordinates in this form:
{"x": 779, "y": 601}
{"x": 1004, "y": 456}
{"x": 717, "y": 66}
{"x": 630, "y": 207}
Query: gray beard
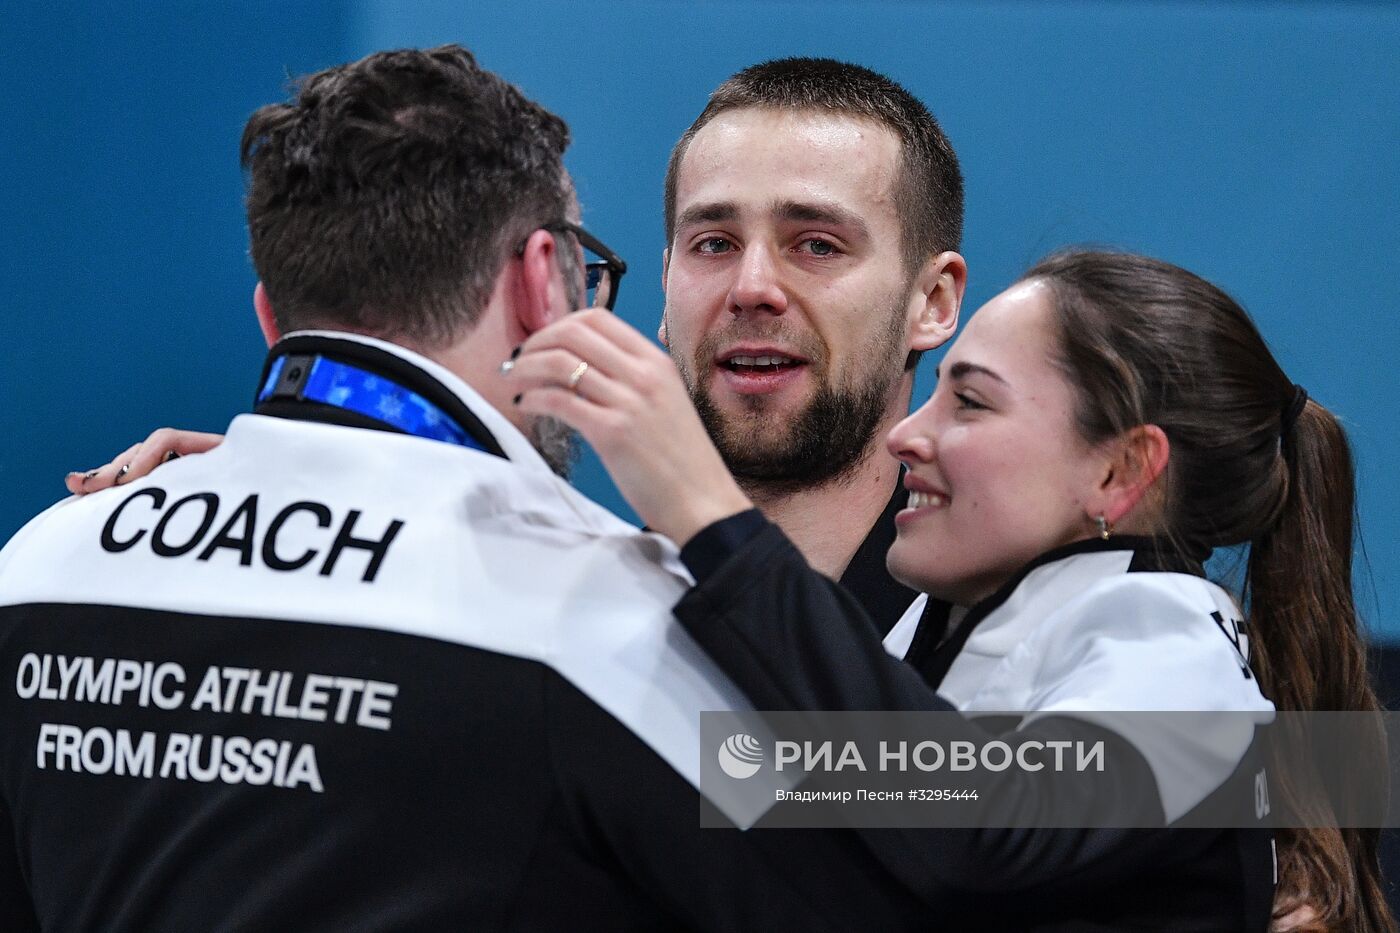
{"x": 557, "y": 444}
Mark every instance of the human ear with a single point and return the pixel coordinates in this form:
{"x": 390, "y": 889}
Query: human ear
{"x": 939, "y": 293}
{"x": 539, "y": 286}
{"x": 267, "y": 320}
{"x": 1134, "y": 462}
{"x": 661, "y": 333}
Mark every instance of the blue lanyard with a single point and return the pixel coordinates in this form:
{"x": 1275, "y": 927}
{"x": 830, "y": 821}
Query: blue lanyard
{"x": 317, "y": 379}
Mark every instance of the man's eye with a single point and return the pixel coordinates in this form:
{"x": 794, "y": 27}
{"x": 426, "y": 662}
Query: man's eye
{"x": 713, "y": 244}
{"x": 819, "y": 247}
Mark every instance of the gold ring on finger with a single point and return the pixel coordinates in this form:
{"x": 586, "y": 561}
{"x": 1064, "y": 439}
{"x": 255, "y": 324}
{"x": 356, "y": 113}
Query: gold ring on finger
{"x": 577, "y": 375}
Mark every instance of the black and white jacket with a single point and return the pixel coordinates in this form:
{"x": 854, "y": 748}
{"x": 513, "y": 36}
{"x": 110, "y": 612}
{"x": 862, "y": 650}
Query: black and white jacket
{"x": 335, "y": 677}
{"x": 1083, "y": 636}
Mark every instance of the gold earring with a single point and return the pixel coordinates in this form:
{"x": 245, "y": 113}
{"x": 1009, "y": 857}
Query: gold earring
{"x": 1105, "y": 529}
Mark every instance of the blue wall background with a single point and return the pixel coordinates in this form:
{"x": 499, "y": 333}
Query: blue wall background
{"x": 1255, "y": 143}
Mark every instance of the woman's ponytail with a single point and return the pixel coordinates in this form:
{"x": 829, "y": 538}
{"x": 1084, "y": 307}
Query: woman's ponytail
{"x": 1310, "y": 657}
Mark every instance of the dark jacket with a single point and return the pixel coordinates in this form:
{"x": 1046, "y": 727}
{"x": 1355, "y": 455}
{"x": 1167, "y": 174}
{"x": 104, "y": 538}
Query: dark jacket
{"x": 794, "y": 640}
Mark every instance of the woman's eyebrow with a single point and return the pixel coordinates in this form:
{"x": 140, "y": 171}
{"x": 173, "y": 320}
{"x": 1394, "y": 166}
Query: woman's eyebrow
{"x": 962, "y": 369}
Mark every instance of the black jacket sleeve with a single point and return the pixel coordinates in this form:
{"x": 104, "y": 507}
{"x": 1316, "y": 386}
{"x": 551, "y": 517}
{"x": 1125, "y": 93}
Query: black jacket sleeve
{"x": 792, "y": 639}
{"x": 630, "y": 811}
{"x": 16, "y": 908}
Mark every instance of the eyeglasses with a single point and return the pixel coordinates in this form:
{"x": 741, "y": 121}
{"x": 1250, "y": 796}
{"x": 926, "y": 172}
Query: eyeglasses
{"x": 603, "y": 275}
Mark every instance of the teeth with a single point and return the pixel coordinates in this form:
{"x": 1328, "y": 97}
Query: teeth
{"x": 759, "y": 360}
{"x": 921, "y": 500}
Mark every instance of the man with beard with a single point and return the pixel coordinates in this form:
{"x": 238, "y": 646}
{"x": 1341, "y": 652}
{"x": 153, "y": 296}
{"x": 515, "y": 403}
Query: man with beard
{"x": 813, "y": 212}
{"x": 371, "y": 664}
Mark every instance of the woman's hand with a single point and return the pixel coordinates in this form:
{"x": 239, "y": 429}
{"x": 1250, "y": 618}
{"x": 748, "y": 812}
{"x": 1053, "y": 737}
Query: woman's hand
{"x": 630, "y": 404}
{"x": 139, "y": 459}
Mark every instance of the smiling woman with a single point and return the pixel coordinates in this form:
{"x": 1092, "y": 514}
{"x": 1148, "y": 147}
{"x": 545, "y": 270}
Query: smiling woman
{"x": 1098, "y": 429}
{"x": 1001, "y": 474}
{"x": 1111, "y": 392}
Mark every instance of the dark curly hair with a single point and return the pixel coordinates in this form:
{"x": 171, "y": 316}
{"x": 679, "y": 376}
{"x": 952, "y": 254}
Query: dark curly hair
{"x": 387, "y": 195}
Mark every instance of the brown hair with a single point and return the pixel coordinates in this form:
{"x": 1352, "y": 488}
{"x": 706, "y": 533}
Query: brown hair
{"x": 929, "y": 190}
{"x": 387, "y": 195}
{"x": 1146, "y": 342}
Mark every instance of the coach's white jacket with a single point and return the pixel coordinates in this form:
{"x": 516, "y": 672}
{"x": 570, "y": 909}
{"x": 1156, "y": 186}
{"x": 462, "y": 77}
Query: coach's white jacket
{"x": 328, "y": 677}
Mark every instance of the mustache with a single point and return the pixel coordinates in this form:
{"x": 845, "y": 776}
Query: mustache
{"x": 800, "y": 342}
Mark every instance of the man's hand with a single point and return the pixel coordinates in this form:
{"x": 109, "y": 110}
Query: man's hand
{"x": 139, "y": 459}
{"x": 630, "y": 404}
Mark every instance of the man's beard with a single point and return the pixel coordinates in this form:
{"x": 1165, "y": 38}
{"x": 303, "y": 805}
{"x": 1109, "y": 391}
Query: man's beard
{"x": 828, "y": 438}
{"x": 556, "y": 442}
